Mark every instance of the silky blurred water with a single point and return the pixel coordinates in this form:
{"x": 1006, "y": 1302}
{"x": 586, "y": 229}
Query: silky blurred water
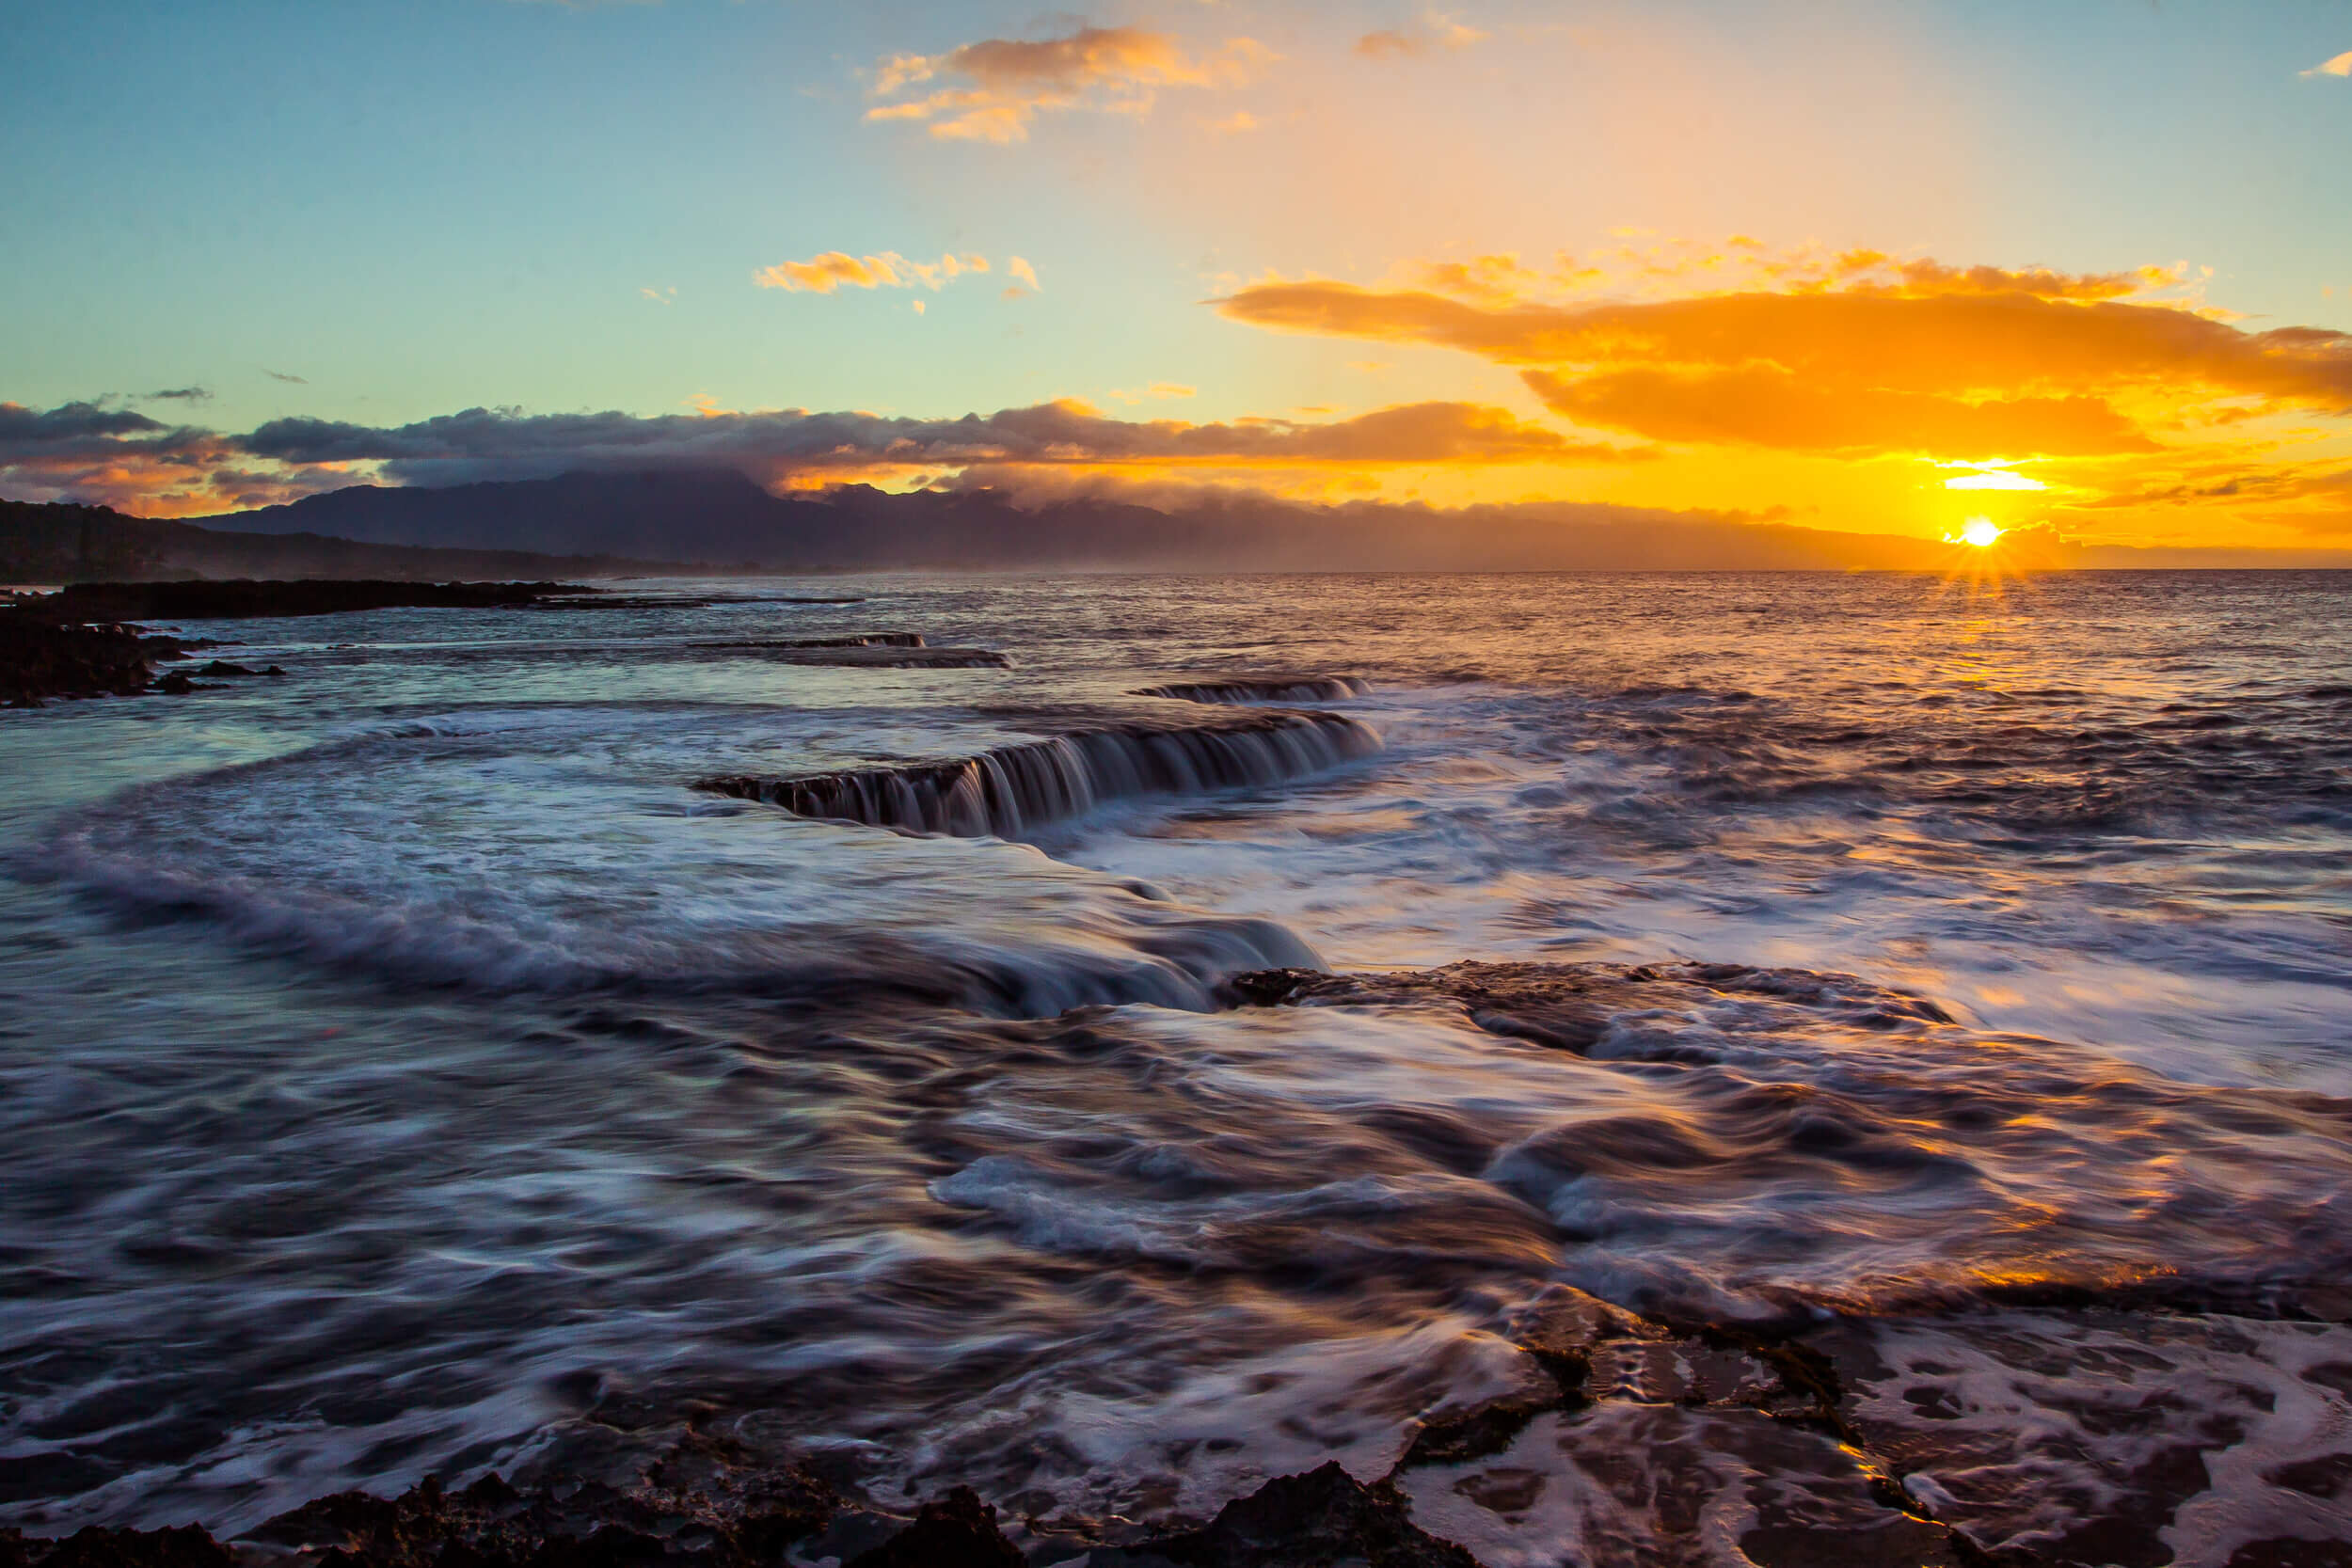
{"x": 402, "y": 1060}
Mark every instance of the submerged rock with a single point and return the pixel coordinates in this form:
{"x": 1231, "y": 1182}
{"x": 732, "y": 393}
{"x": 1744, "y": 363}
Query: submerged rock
{"x": 868, "y": 640}
{"x": 885, "y": 653}
{"x": 248, "y": 599}
{"x": 1571, "y": 1007}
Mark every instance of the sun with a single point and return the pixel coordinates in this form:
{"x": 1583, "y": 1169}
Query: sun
{"x": 1978, "y": 532}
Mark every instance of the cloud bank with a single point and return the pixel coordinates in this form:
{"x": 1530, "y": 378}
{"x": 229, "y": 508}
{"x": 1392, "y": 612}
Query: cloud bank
{"x": 85, "y": 452}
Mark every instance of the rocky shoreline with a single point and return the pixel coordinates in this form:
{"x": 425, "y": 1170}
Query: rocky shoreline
{"x": 708, "y": 1502}
{"x": 1647, "y": 1406}
{"x": 81, "y": 642}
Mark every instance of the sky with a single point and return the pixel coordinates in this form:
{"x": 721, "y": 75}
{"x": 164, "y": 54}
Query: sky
{"x": 1880, "y": 268}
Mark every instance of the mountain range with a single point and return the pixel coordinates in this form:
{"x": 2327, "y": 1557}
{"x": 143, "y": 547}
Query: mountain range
{"x": 674, "y": 522}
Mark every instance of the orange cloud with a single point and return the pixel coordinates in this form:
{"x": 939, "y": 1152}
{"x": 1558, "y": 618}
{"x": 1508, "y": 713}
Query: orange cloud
{"x": 1685, "y": 268}
{"x": 2339, "y": 66}
{"x": 1002, "y": 85}
{"x": 1436, "y": 30}
{"x": 834, "y": 269}
{"x": 1155, "y": 392}
{"x": 1766, "y": 407}
{"x": 1921, "y": 358}
{"x": 113, "y": 456}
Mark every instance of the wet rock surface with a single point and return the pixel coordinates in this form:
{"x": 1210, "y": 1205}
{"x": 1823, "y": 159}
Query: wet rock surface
{"x": 2049, "y": 1433}
{"x": 1263, "y": 689}
{"x": 2022, "y": 1440}
{"x": 1571, "y": 1007}
{"x": 710, "y": 1503}
{"x": 2154, "y": 1423}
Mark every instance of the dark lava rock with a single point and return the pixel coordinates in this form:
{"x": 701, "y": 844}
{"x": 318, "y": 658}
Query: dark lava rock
{"x": 94, "y": 1547}
{"x": 1317, "y": 1520}
{"x": 246, "y": 599}
{"x": 957, "y": 1532}
{"x": 694, "y": 1509}
{"x": 222, "y": 666}
{"x": 40, "y": 661}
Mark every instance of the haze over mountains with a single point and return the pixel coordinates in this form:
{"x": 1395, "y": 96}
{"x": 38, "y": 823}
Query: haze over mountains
{"x": 722, "y": 518}
{"x": 625, "y": 525}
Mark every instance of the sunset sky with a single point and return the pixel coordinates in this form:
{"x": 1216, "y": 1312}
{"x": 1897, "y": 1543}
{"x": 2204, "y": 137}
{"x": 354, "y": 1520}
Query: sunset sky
{"x": 1876, "y": 268}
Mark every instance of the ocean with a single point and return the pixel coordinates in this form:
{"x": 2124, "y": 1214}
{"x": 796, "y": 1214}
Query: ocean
{"x": 485, "y": 1048}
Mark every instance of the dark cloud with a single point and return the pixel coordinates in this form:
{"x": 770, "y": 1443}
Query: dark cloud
{"x": 70, "y": 428}
{"x": 98, "y": 452}
{"x": 181, "y": 394}
{"x": 88, "y": 451}
{"x": 281, "y": 375}
{"x": 772, "y": 445}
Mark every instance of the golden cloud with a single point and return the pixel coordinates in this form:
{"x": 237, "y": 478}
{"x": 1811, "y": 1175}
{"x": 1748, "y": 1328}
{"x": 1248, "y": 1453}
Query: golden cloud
{"x": 834, "y": 269}
{"x": 1913, "y": 357}
{"x": 1684, "y": 268}
{"x": 1767, "y": 406}
{"x": 1004, "y": 84}
{"x": 1435, "y": 30}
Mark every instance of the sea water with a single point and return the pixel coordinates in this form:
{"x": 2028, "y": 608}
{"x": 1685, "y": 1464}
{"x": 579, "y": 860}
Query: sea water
{"x": 411, "y": 1061}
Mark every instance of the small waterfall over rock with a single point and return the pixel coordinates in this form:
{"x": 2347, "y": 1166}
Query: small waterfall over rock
{"x": 1011, "y": 788}
{"x": 1282, "y": 688}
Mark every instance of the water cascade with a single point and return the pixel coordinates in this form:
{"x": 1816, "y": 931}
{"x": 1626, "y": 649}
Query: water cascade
{"x": 1011, "y": 788}
{"x": 1300, "y": 689}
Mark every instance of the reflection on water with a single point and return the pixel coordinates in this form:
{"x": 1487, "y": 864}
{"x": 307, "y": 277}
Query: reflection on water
{"x": 400, "y": 1061}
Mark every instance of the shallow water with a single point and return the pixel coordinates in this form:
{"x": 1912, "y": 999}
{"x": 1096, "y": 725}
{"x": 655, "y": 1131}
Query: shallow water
{"x": 402, "y": 1060}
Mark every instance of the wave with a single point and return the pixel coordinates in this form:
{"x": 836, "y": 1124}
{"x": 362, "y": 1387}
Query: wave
{"x": 565, "y": 858}
{"x": 1006, "y": 791}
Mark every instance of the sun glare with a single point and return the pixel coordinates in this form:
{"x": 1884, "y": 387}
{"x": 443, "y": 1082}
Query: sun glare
{"x": 1992, "y": 479}
{"x": 1978, "y": 532}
